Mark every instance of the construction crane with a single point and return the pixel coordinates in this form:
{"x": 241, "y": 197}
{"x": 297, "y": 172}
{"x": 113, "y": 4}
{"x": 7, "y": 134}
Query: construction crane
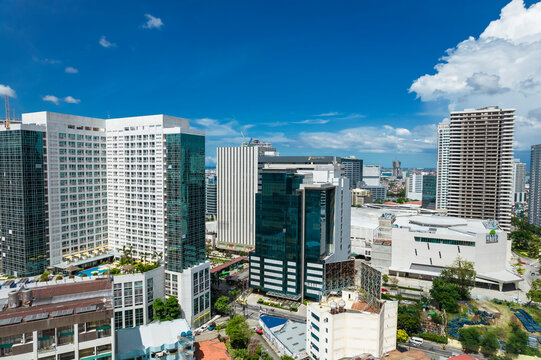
{"x": 248, "y": 143}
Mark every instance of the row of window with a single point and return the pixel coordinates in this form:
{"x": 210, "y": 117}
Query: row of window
{"x": 444, "y": 241}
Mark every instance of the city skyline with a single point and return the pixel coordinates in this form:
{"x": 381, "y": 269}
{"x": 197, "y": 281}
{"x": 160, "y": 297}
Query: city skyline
{"x": 326, "y": 79}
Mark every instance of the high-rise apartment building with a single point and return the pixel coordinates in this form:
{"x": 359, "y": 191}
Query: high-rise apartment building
{"x": 480, "y": 169}
{"x": 210, "y": 191}
{"x": 353, "y": 170}
{"x": 518, "y": 195}
{"x": 534, "y": 204}
{"x": 132, "y": 183}
{"x": 302, "y": 224}
{"x": 442, "y": 172}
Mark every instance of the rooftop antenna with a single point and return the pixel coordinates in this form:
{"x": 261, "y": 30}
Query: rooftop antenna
{"x": 7, "y": 120}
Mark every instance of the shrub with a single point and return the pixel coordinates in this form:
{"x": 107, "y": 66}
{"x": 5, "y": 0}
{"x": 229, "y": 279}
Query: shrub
{"x": 71, "y": 276}
{"x": 260, "y": 301}
{"x": 59, "y": 277}
{"x": 83, "y": 275}
{"x": 293, "y": 308}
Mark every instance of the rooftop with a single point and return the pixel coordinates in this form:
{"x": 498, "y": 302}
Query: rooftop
{"x": 290, "y": 333}
{"x": 447, "y": 225}
{"x": 152, "y": 335}
{"x": 211, "y": 350}
{"x": 368, "y": 216}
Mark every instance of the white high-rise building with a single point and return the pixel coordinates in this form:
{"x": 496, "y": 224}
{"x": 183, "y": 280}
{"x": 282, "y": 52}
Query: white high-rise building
{"x": 414, "y": 186}
{"x": 372, "y": 175}
{"x": 518, "y": 194}
{"x": 237, "y": 179}
{"x": 133, "y": 183}
{"x": 442, "y": 176}
{"x": 75, "y": 164}
{"x": 534, "y": 203}
{"x": 480, "y": 169}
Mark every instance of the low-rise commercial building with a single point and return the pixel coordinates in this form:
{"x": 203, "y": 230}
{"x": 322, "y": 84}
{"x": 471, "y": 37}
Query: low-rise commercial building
{"x": 73, "y": 320}
{"x": 360, "y": 197}
{"x": 424, "y": 245}
{"x": 349, "y": 326}
{"x": 287, "y": 336}
{"x": 171, "y": 340}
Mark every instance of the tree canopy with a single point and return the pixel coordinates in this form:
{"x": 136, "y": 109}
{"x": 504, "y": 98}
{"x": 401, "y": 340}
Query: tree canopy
{"x": 239, "y": 332}
{"x": 446, "y": 295}
{"x": 168, "y": 310}
{"x": 470, "y": 339}
{"x": 517, "y": 340}
{"x": 461, "y": 273}
{"x": 222, "y": 305}
{"x": 489, "y": 343}
{"x": 409, "y": 320}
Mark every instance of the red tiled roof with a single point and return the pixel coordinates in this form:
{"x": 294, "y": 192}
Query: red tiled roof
{"x": 211, "y": 350}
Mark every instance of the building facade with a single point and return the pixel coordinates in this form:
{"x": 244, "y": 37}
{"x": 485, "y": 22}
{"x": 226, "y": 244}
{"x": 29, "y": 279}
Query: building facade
{"x": 353, "y": 170}
{"x": 480, "y": 169}
{"x": 422, "y": 246}
{"x": 133, "y": 296}
{"x": 429, "y": 192}
{"x": 397, "y": 169}
{"x": 302, "y": 223}
{"x": 236, "y": 169}
{"x": 378, "y": 192}
{"x": 534, "y": 204}
{"x": 63, "y": 321}
{"x": 442, "y": 172}
{"x": 372, "y": 175}
{"x": 22, "y": 199}
{"x": 360, "y": 197}
{"x": 210, "y": 192}
{"x": 519, "y": 182}
{"x": 371, "y": 327}
{"x": 414, "y": 186}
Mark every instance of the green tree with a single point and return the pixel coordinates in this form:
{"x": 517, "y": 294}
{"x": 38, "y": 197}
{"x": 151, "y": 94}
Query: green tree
{"x": 172, "y": 308}
{"x": 446, "y": 295}
{"x": 45, "y": 276}
{"x": 158, "y": 308}
{"x": 401, "y": 336}
{"x": 461, "y": 273}
{"x": 285, "y": 357}
{"x": 239, "y": 332}
{"x": 490, "y": 344}
{"x": 517, "y": 340}
{"x": 409, "y": 320}
{"x": 168, "y": 310}
{"x": 534, "y": 294}
{"x": 265, "y": 356}
{"x": 222, "y": 305}
{"x": 521, "y": 238}
{"x": 469, "y": 338}
{"x": 385, "y": 278}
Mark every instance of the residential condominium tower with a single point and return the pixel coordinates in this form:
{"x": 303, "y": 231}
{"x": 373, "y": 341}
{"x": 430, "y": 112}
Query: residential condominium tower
{"x": 534, "y": 205}
{"x": 132, "y": 183}
{"x": 480, "y": 169}
{"x": 442, "y": 172}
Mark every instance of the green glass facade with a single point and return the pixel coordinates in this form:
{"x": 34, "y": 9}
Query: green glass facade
{"x": 185, "y": 171}
{"x": 283, "y": 251}
{"x": 429, "y": 192}
{"x": 22, "y": 200}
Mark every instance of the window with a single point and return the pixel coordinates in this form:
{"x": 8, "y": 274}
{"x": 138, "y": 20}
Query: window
{"x": 444, "y": 241}
{"x": 315, "y": 316}
{"x": 128, "y": 318}
{"x": 128, "y": 294}
{"x": 117, "y": 293}
{"x": 138, "y": 292}
{"x": 150, "y": 290}
{"x": 139, "y": 317}
{"x": 118, "y": 320}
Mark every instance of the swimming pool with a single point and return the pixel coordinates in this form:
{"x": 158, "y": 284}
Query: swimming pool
{"x": 99, "y": 269}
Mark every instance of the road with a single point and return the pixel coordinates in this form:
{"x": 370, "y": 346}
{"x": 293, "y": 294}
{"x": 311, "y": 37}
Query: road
{"x": 434, "y": 350}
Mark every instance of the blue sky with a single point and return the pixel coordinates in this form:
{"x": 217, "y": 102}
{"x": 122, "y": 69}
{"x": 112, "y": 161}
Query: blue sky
{"x": 312, "y": 77}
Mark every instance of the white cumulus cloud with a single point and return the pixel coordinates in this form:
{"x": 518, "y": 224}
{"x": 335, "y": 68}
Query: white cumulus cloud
{"x": 106, "y": 43}
{"x": 51, "y": 98}
{"x": 152, "y": 22}
{"x": 6, "y": 90}
{"x": 71, "y": 70}
{"x": 501, "y": 67}
{"x": 71, "y": 100}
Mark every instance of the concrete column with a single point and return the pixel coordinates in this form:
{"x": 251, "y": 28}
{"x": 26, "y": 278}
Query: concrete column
{"x": 35, "y": 344}
{"x": 76, "y": 340}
